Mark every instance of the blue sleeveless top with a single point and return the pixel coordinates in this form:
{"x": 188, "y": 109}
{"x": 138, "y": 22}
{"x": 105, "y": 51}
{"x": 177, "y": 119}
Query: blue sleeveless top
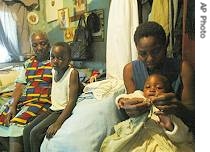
{"x": 170, "y": 69}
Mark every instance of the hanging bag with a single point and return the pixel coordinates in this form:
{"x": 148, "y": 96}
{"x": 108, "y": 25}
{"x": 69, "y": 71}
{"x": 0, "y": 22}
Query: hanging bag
{"x": 80, "y": 47}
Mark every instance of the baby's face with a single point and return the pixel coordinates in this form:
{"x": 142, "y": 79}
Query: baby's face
{"x": 153, "y": 86}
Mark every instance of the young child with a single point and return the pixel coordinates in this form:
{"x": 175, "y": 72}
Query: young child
{"x": 153, "y": 130}
{"x": 64, "y": 93}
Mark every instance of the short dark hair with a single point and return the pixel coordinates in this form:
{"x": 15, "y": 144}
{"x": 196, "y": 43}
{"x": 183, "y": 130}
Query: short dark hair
{"x": 65, "y": 45}
{"x": 39, "y": 32}
{"x": 150, "y": 28}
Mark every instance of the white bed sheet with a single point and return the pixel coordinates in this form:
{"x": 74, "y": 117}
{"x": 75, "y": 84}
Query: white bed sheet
{"x": 84, "y": 131}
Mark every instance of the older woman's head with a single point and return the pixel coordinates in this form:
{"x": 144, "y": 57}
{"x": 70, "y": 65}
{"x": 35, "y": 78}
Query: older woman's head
{"x": 40, "y": 45}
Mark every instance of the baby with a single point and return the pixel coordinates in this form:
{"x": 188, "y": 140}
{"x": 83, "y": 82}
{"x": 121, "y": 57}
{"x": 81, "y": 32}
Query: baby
{"x": 153, "y": 130}
{"x": 154, "y": 87}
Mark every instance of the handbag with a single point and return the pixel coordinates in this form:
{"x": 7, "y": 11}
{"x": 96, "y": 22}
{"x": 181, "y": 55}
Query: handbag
{"x": 80, "y": 46}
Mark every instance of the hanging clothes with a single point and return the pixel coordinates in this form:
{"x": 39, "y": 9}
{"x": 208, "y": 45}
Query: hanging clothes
{"x": 16, "y": 39}
{"x": 145, "y": 7}
{"x": 9, "y": 45}
{"x": 168, "y": 13}
{"x": 177, "y": 32}
{"x": 160, "y": 13}
{"x": 120, "y": 48}
{"x": 188, "y": 39}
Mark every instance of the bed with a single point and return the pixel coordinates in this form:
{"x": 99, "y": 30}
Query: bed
{"x": 8, "y": 76}
{"x": 93, "y": 117}
{"x": 92, "y": 120}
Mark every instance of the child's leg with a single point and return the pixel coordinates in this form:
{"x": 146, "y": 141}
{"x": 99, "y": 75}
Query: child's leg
{"x": 29, "y": 127}
{"x": 38, "y": 132}
{"x": 16, "y": 144}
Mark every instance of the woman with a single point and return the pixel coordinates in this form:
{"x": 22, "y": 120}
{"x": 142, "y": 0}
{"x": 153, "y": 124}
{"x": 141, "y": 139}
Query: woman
{"x": 31, "y": 95}
{"x": 150, "y": 41}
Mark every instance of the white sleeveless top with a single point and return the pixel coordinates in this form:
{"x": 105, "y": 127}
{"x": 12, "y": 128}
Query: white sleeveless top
{"x": 60, "y": 91}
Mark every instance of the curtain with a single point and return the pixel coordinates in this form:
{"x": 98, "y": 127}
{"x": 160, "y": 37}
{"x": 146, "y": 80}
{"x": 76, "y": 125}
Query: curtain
{"x": 14, "y": 29}
{"x": 8, "y": 35}
{"x": 19, "y": 12}
{"x": 4, "y": 57}
{"x": 120, "y": 47}
{"x": 30, "y": 3}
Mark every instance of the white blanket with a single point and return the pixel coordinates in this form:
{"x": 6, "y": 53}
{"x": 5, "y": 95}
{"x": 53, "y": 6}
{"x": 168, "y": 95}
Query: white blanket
{"x": 104, "y": 88}
{"x": 92, "y": 120}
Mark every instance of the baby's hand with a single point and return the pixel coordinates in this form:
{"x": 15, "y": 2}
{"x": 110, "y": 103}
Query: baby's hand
{"x": 165, "y": 121}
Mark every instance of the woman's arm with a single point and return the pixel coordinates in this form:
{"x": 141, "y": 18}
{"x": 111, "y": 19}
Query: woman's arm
{"x": 136, "y": 107}
{"x": 17, "y": 93}
{"x": 14, "y": 101}
{"x": 73, "y": 95}
{"x": 188, "y": 93}
{"x": 127, "y": 77}
{"x": 187, "y": 110}
{"x": 19, "y": 86}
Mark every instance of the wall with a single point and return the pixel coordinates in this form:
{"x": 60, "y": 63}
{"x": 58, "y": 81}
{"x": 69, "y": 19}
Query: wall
{"x": 56, "y": 34}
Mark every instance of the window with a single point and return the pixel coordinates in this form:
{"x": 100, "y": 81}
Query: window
{"x": 4, "y": 57}
{"x": 9, "y": 47}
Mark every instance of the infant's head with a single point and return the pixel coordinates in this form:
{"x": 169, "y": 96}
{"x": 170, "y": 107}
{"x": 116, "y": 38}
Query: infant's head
{"x": 156, "y": 84}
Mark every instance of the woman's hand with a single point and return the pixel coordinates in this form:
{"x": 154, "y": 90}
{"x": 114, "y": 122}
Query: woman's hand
{"x": 134, "y": 106}
{"x": 11, "y": 114}
{"x": 52, "y": 129}
{"x": 163, "y": 97}
{"x": 166, "y": 102}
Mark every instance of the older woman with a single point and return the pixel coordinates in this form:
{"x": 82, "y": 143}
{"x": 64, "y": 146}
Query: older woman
{"x": 31, "y": 96}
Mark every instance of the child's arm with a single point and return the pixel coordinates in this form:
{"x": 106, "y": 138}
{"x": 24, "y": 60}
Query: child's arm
{"x": 137, "y": 96}
{"x": 175, "y": 129}
{"x": 73, "y": 94}
{"x": 165, "y": 121}
{"x": 128, "y": 102}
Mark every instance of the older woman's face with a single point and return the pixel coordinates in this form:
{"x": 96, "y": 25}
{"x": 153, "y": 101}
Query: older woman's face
{"x": 150, "y": 52}
{"x": 41, "y": 46}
